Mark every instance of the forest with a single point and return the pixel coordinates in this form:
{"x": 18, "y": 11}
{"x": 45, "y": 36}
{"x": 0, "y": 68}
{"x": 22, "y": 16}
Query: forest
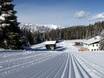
{"x": 76, "y": 32}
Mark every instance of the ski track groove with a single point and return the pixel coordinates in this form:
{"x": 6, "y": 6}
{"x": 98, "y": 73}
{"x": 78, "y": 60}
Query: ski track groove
{"x": 27, "y": 64}
{"x": 92, "y": 69}
{"x": 82, "y": 72}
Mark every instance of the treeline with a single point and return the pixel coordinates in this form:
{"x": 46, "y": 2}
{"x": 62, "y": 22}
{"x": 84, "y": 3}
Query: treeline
{"x": 32, "y": 37}
{"x": 76, "y": 32}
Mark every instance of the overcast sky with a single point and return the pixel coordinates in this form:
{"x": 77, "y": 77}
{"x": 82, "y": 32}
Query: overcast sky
{"x": 61, "y": 12}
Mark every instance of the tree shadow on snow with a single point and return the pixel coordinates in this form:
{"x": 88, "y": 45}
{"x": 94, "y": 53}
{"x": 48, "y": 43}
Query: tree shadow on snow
{"x": 59, "y": 48}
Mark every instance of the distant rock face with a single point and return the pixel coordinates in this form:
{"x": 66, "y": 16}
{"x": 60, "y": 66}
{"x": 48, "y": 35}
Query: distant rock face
{"x": 39, "y": 27}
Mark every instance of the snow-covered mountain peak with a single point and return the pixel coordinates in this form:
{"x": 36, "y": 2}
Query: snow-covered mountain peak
{"x": 40, "y": 27}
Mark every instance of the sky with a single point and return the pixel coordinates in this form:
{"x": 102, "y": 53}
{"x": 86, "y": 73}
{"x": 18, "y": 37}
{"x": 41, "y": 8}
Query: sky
{"x": 60, "y": 12}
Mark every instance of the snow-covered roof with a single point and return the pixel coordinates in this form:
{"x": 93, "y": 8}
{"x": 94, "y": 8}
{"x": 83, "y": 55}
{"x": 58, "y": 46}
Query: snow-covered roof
{"x": 93, "y": 40}
{"x": 50, "y": 42}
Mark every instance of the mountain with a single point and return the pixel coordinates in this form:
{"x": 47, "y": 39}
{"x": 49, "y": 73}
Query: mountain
{"x": 40, "y": 27}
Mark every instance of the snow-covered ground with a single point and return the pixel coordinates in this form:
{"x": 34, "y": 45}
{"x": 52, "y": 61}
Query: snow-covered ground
{"x": 65, "y": 62}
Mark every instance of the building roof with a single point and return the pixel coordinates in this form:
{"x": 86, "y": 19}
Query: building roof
{"x": 49, "y": 42}
{"x": 93, "y": 40}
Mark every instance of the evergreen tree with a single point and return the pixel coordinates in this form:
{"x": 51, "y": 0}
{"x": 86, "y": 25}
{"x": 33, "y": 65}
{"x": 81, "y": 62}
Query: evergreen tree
{"x": 102, "y": 41}
{"x": 10, "y": 37}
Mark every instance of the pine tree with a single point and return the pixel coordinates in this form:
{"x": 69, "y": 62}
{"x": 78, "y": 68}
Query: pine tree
{"x": 102, "y": 41}
{"x": 10, "y": 37}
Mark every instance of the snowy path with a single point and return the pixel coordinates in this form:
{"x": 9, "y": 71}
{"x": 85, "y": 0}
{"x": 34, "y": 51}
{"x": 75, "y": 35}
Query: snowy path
{"x": 63, "y": 63}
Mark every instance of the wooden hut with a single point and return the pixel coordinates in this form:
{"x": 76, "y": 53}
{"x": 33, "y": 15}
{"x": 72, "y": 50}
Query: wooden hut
{"x": 50, "y": 45}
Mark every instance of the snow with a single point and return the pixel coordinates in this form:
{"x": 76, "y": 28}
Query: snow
{"x": 41, "y": 27}
{"x": 65, "y": 62}
{"x": 93, "y": 40}
{"x": 1, "y": 67}
{"x": 50, "y": 42}
{"x": 2, "y": 18}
